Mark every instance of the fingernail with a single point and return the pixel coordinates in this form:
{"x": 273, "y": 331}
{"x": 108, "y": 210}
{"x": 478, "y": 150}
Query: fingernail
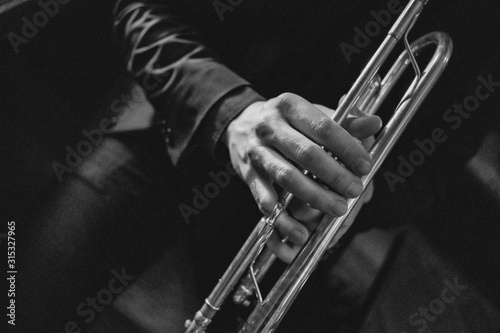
{"x": 354, "y": 190}
{"x": 363, "y": 166}
{"x": 340, "y": 208}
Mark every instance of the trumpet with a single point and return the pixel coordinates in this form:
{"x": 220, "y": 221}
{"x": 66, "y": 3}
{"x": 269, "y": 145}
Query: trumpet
{"x": 367, "y": 93}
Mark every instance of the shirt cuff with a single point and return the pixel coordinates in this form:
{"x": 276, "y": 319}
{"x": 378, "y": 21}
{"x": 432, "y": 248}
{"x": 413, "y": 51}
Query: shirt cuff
{"x": 219, "y": 117}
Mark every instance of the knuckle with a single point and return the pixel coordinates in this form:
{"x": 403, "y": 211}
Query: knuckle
{"x": 282, "y": 175}
{"x": 254, "y": 154}
{"x": 286, "y": 97}
{"x": 323, "y": 127}
{"x": 286, "y": 101}
{"x": 263, "y": 207}
{"x": 271, "y": 104}
{"x": 338, "y": 179}
{"x": 264, "y": 130}
{"x": 306, "y": 154}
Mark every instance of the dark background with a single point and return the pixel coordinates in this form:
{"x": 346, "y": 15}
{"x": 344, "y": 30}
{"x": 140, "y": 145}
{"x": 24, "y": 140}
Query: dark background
{"x": 64, "y": 79}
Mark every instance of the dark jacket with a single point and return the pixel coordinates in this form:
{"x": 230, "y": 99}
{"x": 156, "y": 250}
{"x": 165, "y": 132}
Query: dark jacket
{"x": 204, "y": 55}
{"x": 214, "y": 58}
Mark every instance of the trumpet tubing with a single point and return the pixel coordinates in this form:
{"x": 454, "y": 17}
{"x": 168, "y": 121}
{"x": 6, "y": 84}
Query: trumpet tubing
{"x": 367, "y": 93}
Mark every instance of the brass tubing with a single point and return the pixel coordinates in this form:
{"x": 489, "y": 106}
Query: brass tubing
{"x": 268, "y": 314}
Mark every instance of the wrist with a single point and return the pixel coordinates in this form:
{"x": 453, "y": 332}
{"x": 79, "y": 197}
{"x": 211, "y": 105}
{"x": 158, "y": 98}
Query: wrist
{"x": 240, "y": 118}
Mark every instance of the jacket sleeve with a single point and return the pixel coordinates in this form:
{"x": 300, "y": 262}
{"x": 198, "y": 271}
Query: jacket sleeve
{"x": 196, "y": 95}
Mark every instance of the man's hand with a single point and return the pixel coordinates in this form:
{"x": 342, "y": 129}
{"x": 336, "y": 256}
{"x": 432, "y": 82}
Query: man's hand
{"x": 362, "y": 127}
{"x": 269, "y": 141}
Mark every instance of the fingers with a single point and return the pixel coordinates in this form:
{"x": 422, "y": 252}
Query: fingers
{"x": 266, "y": 198}
{"x": 347, "y": 223}
{"x": 314, "y": 124}
{"x": 363, "y": 126}
{"x": 291, "y": 229}
{"x": 268, "y": 142}
{"x": 366, "y": 197}
{"x": 262, "y": 190}
{"x": 358, "y": 124}
{"x": 368, "y": 193}
{"x": 284, "y": 250}
{"x": 306, "y": 215}
{"x": 312, "y": 157}
{"x": 326, "y": 110}
{"x": 291, "y": 179}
